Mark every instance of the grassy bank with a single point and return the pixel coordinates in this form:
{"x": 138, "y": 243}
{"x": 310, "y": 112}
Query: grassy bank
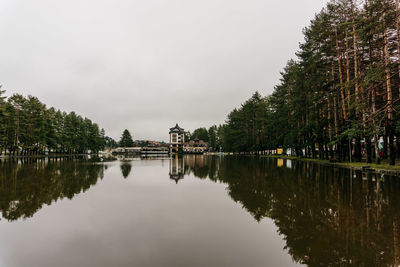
{"x": 51, "y": 155}
{"x": 355, "y": 165}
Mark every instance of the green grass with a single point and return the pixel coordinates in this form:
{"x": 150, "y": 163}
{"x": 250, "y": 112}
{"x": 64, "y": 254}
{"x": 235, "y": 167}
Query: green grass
{"x": 383, "y": 166}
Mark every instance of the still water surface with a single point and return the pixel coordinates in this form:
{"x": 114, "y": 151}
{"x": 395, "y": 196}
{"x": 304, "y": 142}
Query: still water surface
{"x": 196, "y": 211}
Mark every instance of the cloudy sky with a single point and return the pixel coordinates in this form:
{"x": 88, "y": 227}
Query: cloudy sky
{"x": 145, "y": 65}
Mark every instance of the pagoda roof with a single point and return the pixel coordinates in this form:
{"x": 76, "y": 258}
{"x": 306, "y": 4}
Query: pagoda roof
{"x": 176, "y": 129}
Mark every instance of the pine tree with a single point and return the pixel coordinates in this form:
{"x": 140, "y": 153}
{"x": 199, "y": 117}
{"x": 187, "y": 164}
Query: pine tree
{"x": 341, "y": 95}
{"x": 126, "y": 139}
{"x": 27, "y": 128}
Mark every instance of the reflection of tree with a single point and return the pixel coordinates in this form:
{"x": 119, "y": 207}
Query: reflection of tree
{"x": 329, "y": 216}
{"x": 24, "y": 188}
{"x": 126, "y": 168}
{"x": 201, "y": 166}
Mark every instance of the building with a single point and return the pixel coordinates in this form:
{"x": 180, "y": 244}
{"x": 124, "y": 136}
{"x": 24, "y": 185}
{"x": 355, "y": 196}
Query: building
{"x": 149, "y": 143}
{"x": 195, "y": 146}
{"x": 176, "y": 139}
{"x": 126, "y": 150}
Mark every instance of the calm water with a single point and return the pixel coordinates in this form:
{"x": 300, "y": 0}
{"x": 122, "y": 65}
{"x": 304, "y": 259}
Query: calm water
{"x": 196, "y": 211}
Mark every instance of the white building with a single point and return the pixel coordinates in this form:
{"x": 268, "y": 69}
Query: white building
{"x": 176, "y": 138}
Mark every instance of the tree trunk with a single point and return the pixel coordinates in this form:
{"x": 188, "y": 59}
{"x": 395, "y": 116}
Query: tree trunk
{"x": 376, "y": 138}
{"x": 398, "y": 145}
{"x": 335, "y": 112}
{"x": 385, "y": 145}
{"x": 389, "y": 101}
{"x": 398, "y": 39}
{"x": 368, "y": 150}
{"x": 356, "y": 88}
{"x": 340, "y": 76}
{"x": 347, "y": 70}
{"x": 358, "y": 154}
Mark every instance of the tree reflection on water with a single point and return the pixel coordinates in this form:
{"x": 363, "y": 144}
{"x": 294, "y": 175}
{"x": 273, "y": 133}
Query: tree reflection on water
{"x": 328, "y": 216}
{"x": 126, "y": 168}
{"x": 25, "y": 186}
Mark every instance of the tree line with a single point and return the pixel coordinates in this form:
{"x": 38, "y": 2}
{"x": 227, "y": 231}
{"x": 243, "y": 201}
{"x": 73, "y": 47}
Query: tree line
{"x": 28, "y": 127}
{"x": 339, "y": 99}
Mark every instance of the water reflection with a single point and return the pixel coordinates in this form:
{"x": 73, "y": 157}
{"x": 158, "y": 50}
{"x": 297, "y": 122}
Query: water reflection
{"x": 26, "y": 185}
{"x": 176, "y": 168}
{"x": 126, "y": 167}
{"x": 328, "y": 216}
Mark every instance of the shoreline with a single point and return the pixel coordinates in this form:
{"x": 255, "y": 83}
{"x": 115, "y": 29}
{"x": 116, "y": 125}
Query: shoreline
{"x": 362, "y": 166}
{"x": 46, "y": 156}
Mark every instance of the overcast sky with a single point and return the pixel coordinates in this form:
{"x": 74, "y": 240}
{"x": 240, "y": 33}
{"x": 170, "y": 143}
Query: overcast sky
{"x": 145, "y": 65}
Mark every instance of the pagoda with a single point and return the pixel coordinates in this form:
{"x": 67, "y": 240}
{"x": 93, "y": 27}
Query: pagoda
{"x": 176, "y": 139}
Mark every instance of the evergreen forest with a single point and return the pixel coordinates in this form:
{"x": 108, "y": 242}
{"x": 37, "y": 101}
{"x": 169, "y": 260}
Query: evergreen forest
{"x": 28, "y": 127}
{"x": 339, "y": 99}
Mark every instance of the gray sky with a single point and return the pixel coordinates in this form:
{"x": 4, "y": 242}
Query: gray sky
{"x": 145, "y": 65}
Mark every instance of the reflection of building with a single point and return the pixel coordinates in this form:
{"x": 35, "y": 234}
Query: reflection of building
{"x": 289, "y": 163}
{"x": 176, "y": 168}
{"x": 280, "y": 163}
{"x": 176, "y": 139}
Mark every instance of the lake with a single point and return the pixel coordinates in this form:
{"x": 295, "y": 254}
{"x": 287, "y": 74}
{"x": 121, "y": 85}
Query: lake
{"x": 195, "y": 211}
